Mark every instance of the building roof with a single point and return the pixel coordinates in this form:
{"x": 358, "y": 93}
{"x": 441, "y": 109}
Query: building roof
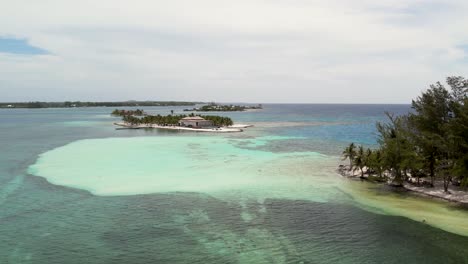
{"x": 193, "y": 118}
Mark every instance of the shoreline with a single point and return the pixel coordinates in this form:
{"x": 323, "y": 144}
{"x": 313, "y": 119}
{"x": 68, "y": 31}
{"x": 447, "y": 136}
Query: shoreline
{"x": 455, "y": 194}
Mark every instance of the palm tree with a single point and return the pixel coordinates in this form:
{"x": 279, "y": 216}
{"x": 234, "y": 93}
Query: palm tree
{"x": 350, "y": 153}
{"x": 376, "y": 162}
{"x": 368, "y": 161}
{"x": 360, "y": 160}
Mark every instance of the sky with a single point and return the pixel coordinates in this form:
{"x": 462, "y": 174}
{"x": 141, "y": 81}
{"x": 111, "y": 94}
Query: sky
{"x": 258, "y": 51}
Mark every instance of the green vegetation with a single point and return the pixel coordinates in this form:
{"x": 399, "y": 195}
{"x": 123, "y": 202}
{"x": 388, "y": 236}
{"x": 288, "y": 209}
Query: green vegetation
{"x": 350, "y": 153}
{"x": 173, "y": 119}
{"x": 137, "y": 112}
{"x": 219, "y": 120}
{"x": 69, "y": 104}
{"x": 223, "y": 108}
{"x": 429, "y": 142}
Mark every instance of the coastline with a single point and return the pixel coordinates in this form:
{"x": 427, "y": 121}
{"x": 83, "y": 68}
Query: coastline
{"x": 455, "y": 194}
{"x": 231, "y": 129}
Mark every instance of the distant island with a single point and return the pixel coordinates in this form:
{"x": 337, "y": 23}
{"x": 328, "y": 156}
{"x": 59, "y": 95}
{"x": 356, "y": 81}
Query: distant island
{"x": 171, "y": 120}
{"x": 137, "y": 112}
{"x": 223, "y": 108}
{"x": 138, "y": 119}
{"x": 71, "y": 104}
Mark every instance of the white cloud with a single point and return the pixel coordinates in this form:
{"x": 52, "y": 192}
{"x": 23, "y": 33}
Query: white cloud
{"x": 259, "y": 51}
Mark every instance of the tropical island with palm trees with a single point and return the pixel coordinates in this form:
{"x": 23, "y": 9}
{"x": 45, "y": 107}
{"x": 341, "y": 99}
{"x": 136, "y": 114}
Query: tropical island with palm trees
{"x": 213, "y": 107}
{"x": 425, "y": 151}
{"x": 137, "y": 119}
{"x": 137, "y": 112}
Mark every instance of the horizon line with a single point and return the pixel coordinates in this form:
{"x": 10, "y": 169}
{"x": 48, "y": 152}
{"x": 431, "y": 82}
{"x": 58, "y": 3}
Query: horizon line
{"x": 201, "y": 102}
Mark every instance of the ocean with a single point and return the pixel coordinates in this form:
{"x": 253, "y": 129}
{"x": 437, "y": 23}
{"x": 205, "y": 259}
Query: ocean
{"x": 73, "y": 189}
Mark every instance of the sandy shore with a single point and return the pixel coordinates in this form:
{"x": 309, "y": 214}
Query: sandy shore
{"x": 240, "y": 126}
{"x": 179, "y": 128}
{"x": 455, "y": 194}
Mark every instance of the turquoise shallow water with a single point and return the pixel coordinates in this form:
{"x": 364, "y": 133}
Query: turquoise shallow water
{"x": 125, "y": 166}
{"x": 269, "y": 195}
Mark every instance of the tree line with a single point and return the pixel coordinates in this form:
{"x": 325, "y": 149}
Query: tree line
{"x": 70, "y": 104}
{"x": 137, "y": 112}
{"x": 224, "y": 108}
{"x": 174, "y": 119}
{"x": 429, "y": 142}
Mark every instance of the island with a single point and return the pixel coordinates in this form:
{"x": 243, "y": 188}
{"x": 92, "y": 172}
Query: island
{"x": 424, "y": 151}
{"x": 138, "y": 119}
{"x": 72, "y": 104}
{"x": 137, "y": 112}
{"x": 213, "y": 107}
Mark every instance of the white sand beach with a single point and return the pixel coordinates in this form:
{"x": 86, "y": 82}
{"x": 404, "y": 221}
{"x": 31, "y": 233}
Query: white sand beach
{"x": 230, "y": 129}
{"x": 456, "y": 194}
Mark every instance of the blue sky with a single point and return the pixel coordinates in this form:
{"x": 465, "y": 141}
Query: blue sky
{"x": 336, "y": 51}
{"x": 19, "y": 46}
